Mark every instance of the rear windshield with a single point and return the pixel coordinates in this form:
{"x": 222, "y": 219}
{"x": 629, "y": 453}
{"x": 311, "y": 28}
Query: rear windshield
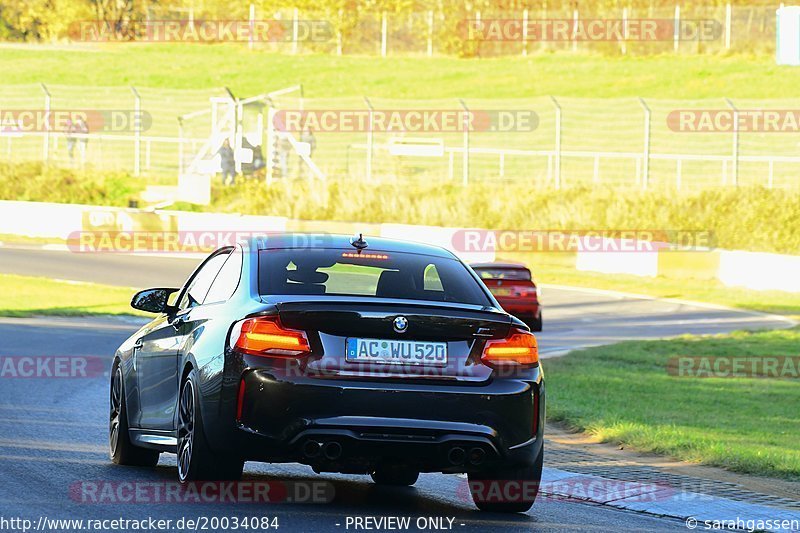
{"x": 320, "y": 271}
{"x": 521, "y": 274}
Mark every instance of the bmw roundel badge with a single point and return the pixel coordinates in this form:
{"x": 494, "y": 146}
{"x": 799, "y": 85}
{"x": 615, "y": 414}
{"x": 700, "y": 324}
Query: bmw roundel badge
{"x": 400, "y": 324}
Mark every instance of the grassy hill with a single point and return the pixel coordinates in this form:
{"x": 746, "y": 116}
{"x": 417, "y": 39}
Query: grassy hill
{"x": 187, "y": 66}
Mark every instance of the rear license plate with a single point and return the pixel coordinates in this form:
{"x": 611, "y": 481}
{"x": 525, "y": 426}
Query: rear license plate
{"x": 502, "y": 292}
{"x": 396, "y": 352}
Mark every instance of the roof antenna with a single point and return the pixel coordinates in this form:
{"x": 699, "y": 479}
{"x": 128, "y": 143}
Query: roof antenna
{"x": 358, "y": 242}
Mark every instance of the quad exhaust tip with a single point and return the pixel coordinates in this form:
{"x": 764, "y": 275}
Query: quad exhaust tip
{"x": 476, "y": 456}
{"x": 311, "y": 448}
{"x": 457, "y": 455}
{"x": 332, "y": 450}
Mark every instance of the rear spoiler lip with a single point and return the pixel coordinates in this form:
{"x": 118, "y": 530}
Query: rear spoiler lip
{"x": 358, "y": 301}
{"x": 273, "y": 305}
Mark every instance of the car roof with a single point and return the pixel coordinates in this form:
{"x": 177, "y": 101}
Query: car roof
{"x": 499, "y": 265}
{"x": 340, "y": 241}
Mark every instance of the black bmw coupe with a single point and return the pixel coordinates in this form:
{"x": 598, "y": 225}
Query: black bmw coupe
{"x": 375, "y": 356}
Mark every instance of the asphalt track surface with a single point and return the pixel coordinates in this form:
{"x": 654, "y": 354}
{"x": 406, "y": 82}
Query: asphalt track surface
{"x": 53, "y": 431}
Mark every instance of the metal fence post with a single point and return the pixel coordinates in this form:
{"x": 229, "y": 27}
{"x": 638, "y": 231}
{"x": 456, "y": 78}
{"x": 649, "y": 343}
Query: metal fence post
{"x": 557, "y": 159}
{"x": 430, "y": 33}
{"x": 728, "y": 18}
{"x": 525, "y": 32}
{"x": 575, "y": 30}
{"x": 477, "y": 25}
{"x": 370, "y": 140}
{"x": 180, "y": 146}
{"x": 235, "y": 111}
{"x": 252, "y": 24}
{"x": 735, "y": 162}
{"x": 465, "y": 156}
{"x": 137, "y": 131}
{"x": 272, "y": 140}
{"x": 295, "y": 29}
{"x": 384, "y": 30}
{"x": 646, "y": 155}
{"x": 624, "y": 44}
{"x": 339, "y": 43}
{"x": 46, "y": 142}
{"x": 302, "y": 97}
{"x": 676, "y": 32}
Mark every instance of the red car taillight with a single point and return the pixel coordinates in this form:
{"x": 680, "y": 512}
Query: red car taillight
{"x": 526, "y": 292}
{"x": 266, "y": 336}
{"x": 518, "y": 349}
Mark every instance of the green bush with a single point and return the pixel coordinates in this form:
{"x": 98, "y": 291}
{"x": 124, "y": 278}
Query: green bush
{"x": 752, "y": 218}
{"x": 39, "y": 183}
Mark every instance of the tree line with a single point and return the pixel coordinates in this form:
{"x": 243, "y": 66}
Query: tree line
{"x": 53, "y": 20}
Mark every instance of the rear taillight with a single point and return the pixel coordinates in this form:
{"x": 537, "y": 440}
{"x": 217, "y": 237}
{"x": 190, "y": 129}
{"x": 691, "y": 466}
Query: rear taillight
{"x": 526, "y": 292}
{"x": 266, "y": 336}
{"x": 519, "y": 348}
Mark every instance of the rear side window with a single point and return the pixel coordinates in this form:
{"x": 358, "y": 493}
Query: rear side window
{"x": 319, "y": 271}
{"x": 227, "y": 280}
{"x": 196, "y": 292}
{"x": 518, "y": 274}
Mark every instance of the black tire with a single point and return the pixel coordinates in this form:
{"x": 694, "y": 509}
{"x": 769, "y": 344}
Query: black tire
{"x": 120, "y": 448}
{"x": 196, "y": 461}
{"x": 396, "y": 476}
{"x": 535, "y": 323}
{"x": 528, "y": 477}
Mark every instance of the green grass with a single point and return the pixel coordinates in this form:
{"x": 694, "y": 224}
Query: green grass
{"x": 185, "y": 66}
{"x": 597, "y": 93}
{"x": 623, "y": 394}
{"x": 23, "y": 296}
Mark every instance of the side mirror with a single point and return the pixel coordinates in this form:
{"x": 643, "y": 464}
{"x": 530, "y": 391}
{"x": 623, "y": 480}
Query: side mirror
{"x": 152, "y": 300}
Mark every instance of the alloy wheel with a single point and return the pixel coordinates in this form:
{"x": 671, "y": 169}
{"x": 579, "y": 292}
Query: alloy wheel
{"x": 185, "y": 430}
{"x": 115, "y": 410}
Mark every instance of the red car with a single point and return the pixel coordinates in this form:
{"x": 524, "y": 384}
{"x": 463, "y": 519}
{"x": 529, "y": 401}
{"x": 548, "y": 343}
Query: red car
{"x": 514, "y": 289}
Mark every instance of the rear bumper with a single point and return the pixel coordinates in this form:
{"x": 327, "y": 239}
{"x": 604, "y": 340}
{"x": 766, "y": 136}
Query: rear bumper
{"x": 521, "y": 308}
{"x": 432, "y": 427}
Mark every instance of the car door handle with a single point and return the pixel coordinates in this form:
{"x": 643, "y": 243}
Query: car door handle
{"x": 136, "y": 347}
